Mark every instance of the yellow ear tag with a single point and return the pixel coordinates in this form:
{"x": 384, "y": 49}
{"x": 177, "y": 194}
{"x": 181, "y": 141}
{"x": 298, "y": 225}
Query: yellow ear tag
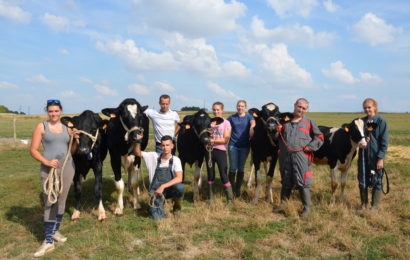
{"x": 113, "y": 115}
{"x": 254, "y": 114}
{"x": 104, "y": 126}
{"x": 213, "y": 123}
{"x": 346, "y": 129}
{"x": 70, "y": 124}
{"x": 370, "y": 128}
{"x": 286, "y": 118}
{"x": 187, "y": 126}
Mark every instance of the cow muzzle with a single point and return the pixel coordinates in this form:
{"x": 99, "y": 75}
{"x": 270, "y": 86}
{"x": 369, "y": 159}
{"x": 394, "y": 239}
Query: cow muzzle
{"x": 363, "y": 143}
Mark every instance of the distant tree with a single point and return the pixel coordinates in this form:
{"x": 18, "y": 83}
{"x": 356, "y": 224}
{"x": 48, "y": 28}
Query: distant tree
{"x": 4, "y": 109}
{"x": 193, "y": 108}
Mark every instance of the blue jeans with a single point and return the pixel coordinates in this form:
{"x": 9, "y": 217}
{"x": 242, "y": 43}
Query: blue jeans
{"x": 237, "y": 158}
{"x": 175, "y": 191}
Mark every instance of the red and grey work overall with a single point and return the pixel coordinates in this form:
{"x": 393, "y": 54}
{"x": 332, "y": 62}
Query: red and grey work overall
{"x": 295, "y": 164}
{"x": 161, "y": 176}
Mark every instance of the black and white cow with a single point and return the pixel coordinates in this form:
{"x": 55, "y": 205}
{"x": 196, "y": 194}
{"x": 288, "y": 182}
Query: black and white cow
{"x": 264, "y": 147}
{"x": 194, "y": 143}
{"x": 339, "y": 149}
{"x": 126, "y": 122}
{"x": 90, "y": 154}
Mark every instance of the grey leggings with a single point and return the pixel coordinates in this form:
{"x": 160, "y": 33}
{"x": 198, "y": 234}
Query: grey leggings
{"x": 52, "y": 210}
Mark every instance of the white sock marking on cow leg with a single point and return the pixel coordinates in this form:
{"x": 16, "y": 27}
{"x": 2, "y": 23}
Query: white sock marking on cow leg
{"x": 269, "y": 194}
{"x": 197, "y": 181}
{"x": 251, "y": 177}
{"x": 119, "y": 185}
{"x": 258, "y": 186}
{"x": 134, "y": 184}
{"x": 101, "y": 212}
{"x": 76, "y": 215}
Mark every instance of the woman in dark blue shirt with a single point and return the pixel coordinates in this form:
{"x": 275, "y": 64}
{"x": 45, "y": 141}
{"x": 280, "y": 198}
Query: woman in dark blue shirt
{"x": 238, "y": 148}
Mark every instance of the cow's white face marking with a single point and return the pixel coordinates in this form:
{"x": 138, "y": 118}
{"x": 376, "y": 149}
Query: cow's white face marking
{"x": 202, "y": 115}
{"x": 270, "y": 107}
{"x": 132, "y": 109}
{"x": 360, "y": 126}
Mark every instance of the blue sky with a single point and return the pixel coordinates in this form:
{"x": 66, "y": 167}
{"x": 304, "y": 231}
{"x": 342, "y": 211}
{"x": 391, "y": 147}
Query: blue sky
{"x": 93, "y": 54}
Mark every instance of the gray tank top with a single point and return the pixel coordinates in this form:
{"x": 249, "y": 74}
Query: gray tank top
{"x": 55, "y": 145}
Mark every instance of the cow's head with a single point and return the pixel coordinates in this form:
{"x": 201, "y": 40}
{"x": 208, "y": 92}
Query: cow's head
{"x": 90, "y": 124}
{"x": 200, "y": 123}
{"x": 130, "y": 114}
{"x": 270, "y": 116}
{"x": 356, "y": 130}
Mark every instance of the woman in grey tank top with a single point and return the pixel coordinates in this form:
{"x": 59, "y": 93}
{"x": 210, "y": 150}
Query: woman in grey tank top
{"x": 54, "y": 137}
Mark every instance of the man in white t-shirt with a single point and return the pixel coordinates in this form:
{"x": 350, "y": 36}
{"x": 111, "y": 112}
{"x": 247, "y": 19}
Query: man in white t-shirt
{"x": 164, "y": 122}
{"x": 165, "y": 175}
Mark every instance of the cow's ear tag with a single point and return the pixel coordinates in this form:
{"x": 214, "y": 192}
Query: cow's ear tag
{"x": 213, "y": 123}
{"x": 104, "y": 126}
{"x": 346, "y": 129}
{"x": 187, "y": 126}
{"x": 286, "y": 118}
{"x": 254, "y": 114}
{"x": 370, "y": 128}
{"x": 70, "y": 124}
{"x": 112, "y": 115}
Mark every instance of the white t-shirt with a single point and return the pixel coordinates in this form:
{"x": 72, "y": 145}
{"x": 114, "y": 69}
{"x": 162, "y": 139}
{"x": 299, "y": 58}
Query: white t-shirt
{"x": 151, "y": 159}
{"x": 164, "y": 124}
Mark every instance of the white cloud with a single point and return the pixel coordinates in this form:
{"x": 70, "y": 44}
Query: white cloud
{"x": 235, "y": 69}
{"x": 139, "y": 89}
{"x": 195, "y": 55}
{"x": 105, "y": 89}
{"x": 68, "y": 93}
{"x": 330, "y": 6}
{"x": 191, "y": 17}
{"x": 64, "y": 51}
{"x": 295, "y": 33}
{"x": 369, "y": 78}
{"x": 338, "y": 72}
{"x": 138, "y": 58}
{"x": 59, "y": 23}
{"x": 279, "y": 67}
{"x": 40, "y": 79}
{"x": 220, "y": 91}
{"x": 7, "y": 85}
{"x": 289, "y": 7}
{"x": 163, "y": 86}
{"x": 188, "y": 100}
{"x": 86, "y": 80}
{"x": 374, "y": 30}
{"x": 14, "y": 13}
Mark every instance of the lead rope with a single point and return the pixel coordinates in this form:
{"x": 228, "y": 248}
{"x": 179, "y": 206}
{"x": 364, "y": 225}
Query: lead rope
{"x": 387, "y": 183}
{"x": 128, "y": 131}
{"x": 92, "y": 137}
{"x": 152, "y": 198}
{"x": 52, "y": 185}
{"x": 290, "y": 148}
{"x": 208, "y": 147}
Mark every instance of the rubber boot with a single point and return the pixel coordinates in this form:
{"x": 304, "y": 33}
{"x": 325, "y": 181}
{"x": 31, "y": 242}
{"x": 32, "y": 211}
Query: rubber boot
{"x": 284, "y": 196}
{"x": 231, "y": 177}
{"x": 305, "y": 196}
{"x": 239, "y": 180}
{"x": 376, "y": 195}
{"x": 364, "y": 198}
{"x": 177, "y": 205}
{"x": 210, "y": 193}
{"x": 229, "y": 195}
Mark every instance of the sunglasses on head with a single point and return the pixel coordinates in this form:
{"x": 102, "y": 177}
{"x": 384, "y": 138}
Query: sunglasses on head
{"x": 56, "y": 101}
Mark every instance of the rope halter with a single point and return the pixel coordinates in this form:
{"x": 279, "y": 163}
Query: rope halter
{"x": 130, "y": 130}
{"x": 208, "y": 146}
{"x": 92, "y": 137}
{"x": 267, "y": 132}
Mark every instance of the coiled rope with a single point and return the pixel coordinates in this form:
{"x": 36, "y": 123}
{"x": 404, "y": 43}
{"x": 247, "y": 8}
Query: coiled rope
{"x": 152, "y": 199}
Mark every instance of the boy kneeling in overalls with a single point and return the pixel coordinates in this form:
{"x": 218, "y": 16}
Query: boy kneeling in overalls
{"x": 165, "y": 175}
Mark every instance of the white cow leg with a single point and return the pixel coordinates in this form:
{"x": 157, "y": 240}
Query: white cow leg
{"x": 268, "y": 192}
{"x": 258, "y": 186}
{"x": 101, "y": 212}
{"x": 197, "y": 181}
{"x": 251, "y": 177}
{"x": 119, "y": 185}
{"x": 134, "y": 185}
{"x": 333, "y": 183}
{"x": 76, "y": 215}
{"x": 343, "y": 185}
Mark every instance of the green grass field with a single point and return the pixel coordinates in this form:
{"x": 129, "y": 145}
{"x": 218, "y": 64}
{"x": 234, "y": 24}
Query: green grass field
{"x": 247, "y": 231}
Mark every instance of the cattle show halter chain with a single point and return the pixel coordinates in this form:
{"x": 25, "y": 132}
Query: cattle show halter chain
{"x": 52, "y": 185}
{"x": 208, "y": 147}
{"x": 134, "y": 128}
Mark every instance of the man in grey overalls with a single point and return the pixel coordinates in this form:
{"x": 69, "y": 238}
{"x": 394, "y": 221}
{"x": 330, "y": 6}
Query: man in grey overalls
{"x": 165, "y": 175}
{"x": 300, "y": 137}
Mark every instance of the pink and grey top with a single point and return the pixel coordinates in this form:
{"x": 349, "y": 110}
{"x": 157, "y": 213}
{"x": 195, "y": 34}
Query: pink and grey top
{"x": 218, "y": 131}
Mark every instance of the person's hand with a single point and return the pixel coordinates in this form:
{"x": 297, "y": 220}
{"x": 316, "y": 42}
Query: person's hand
{"x": 52, "y": 163}
{"x": 76, "y": 133}
{"x": 380, "y": 164}
{"x": 306, "y": 149}
{"x": 159, "y": 191}
{"x": 367, "y": 139}
{"x": 140, "y": 136}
